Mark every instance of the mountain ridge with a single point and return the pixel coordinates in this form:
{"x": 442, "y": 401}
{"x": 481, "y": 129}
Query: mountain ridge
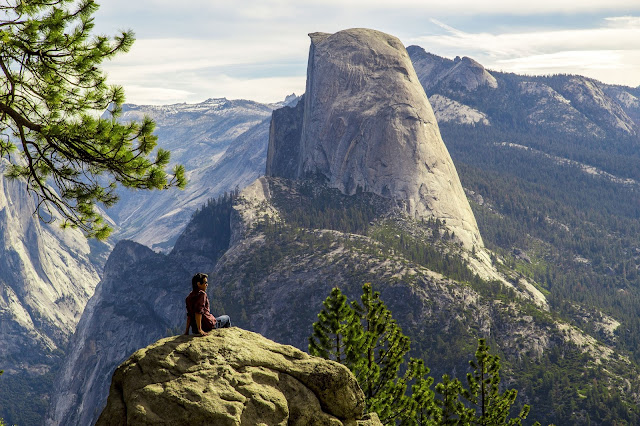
{"x": 47, "y": 275}
{"x": 579, "y": 98}
{"x": 279, "y": 257}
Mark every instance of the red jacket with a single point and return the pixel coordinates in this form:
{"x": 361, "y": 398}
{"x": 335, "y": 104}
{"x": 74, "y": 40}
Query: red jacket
{"x": 198, "y": 303}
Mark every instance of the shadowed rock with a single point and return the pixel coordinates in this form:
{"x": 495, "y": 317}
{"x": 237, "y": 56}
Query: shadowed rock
{"x": 232, "y": 377}
{"x": 284, "y": 139}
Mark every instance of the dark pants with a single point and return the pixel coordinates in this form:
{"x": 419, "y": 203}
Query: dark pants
{"x": 223, "y": 321}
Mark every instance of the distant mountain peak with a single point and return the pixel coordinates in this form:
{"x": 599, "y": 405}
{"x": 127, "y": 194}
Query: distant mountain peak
{"x": 460, "y": 73}
{"x": 215, "y": 100}
{"x": 469, "y": 74}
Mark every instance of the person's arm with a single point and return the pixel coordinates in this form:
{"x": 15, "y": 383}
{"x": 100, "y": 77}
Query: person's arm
{"x": 199, "y": 325}
{"x": 188, "y": 325}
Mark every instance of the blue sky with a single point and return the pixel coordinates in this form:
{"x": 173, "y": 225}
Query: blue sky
{"x": 252, "y": 49}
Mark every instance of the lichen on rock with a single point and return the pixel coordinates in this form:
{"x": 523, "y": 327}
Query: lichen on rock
{"x": 232, "y": 377}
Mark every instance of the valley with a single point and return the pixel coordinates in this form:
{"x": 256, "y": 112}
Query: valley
{"x": 549, "y": 166}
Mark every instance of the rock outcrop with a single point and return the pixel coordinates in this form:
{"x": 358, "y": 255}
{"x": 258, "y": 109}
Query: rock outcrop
{"x": 232, "y": 377}
{"x": 627, "y": 98}
{"x": 449, "y": 111}
{"x": 587, "y": 94}
{"x": 367, "y": 125}
{"x": 430, "y": 68}
{"x": 469, "y": 75}
{"x": 283, "y": 153}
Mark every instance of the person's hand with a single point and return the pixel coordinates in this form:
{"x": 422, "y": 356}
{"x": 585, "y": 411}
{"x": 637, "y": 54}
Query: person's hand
{"x": 203, "y": 333}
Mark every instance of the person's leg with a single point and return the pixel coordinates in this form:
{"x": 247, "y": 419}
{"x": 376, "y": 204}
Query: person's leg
{"x": 223, "y": 321}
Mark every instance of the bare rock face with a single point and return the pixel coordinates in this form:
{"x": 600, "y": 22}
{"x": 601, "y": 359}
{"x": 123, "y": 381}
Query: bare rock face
{"x": 554, "y": 111}
{"x": 448, "y": 110}
{"x": 284, "y": 139}
{"x": 430, "y": 68}
{"x": 232, "y": 377}
{"x": 367, "y": 125}
{"x": 587, "y": 95}
{"x": 221, "y": 143}
{"x": 469, "y": 74}
{"x": 463, "y": 73}
{"x": 47, "y": 274}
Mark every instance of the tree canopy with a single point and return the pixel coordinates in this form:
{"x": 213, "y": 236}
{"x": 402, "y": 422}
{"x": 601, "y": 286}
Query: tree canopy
{"x": 51, "y": 93}
{"x": 367, "y": 340}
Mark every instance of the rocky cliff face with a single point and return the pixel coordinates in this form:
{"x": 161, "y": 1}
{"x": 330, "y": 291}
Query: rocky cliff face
{"x": 46, "y": 277}
{"x": 628, "y": 99}
{"x": 588, "y": 95}
{"x": 367, "y": 125}
{"x": 285, "y": 131}
{"x": 139, "y": 300}
{"x": 460, "y": 74}
{"x": 430, "y": 68}
{"x": 232, "y": 377}
{"x": 468, "y": 74}
{"x": 222, "y": 144}
{"x": 550, "y": 109}
{"x": 450, "y": 111}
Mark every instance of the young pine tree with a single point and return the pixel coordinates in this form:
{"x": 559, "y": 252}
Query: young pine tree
{"x": 382, "y": 350}
{"x": 336, "y": 330}
{"x": 491, "y": 407}
{"x": 450, "y": 410}
{"x": 366, "y": 339}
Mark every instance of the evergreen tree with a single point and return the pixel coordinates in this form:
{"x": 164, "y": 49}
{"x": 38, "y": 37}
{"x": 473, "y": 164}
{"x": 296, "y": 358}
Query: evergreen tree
{"x": 336, "y": 330}
{"x": 50, "y": 90}
{"x": 451, "y": 411}
{"x": 367, "y": 339}
{"x": 369, "y": 342}
{"x": 424, "y": 411}
{"x": 383, "y": 347}
{"x": 492, "y": 407}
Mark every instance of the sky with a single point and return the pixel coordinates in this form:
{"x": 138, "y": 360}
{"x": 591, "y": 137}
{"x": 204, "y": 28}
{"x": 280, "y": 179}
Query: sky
{"x": 257, "y": 49}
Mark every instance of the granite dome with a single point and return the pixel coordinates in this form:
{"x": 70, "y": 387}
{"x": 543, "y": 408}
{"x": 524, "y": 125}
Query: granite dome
{"x": 367, "y": 125}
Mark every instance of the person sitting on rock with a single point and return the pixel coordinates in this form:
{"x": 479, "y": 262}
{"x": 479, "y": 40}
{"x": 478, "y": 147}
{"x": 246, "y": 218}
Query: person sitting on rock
{"x": 199, "y": 319}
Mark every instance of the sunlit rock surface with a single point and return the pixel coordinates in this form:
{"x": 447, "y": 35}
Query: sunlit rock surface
{"x": 232, "y": 377}
{"x": 47, "y": 274}
{"x": 367, "y": 125}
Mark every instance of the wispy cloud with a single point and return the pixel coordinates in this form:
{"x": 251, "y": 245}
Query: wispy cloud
{"x": 474, "y": 6}
{"x": 198, "y": 69}
{"x": 624, "y": 21}
{"x": 608, "y": 52}
{"x": 606, "y": 37}
{"x": 197, "y": 47}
